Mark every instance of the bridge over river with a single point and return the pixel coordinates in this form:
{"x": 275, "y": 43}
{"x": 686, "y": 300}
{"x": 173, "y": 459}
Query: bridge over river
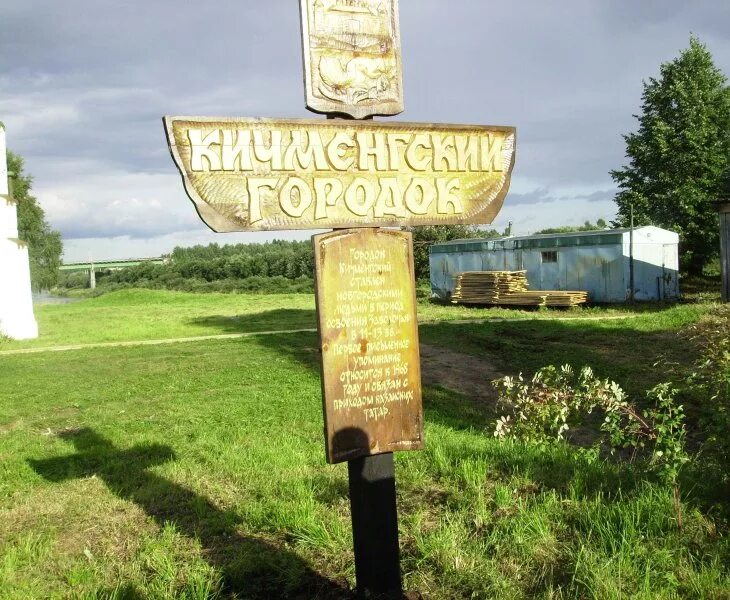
{"x": 101, "y": 265}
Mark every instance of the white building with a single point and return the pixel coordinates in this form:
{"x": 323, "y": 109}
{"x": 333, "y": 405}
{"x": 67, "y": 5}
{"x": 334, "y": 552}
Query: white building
{"x": 16, "y": 302}
{"x": 599, "y": 262}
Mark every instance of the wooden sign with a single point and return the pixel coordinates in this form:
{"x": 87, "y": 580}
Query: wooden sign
{"x": 352, "y": 57}
{"x": 266, "y": 174}
{"x": 371, "y": 373}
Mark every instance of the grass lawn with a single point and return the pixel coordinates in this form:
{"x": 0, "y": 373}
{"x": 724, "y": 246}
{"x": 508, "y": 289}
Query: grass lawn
{"x": 139, "y": 314}
{"x": 197, "y": 470}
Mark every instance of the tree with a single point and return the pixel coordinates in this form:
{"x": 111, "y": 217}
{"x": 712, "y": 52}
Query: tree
{"x": 680, "y": 155}
{"x": 44, "y": 244}
{"x": 587, "y": 226}
{"x": 425, "y": 236}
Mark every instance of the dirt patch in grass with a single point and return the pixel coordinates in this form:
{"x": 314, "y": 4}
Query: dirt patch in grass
{"x": 469, "y": 375}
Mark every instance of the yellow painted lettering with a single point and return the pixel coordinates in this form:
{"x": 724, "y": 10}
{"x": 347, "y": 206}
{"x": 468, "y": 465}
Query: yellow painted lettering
{"x": 295, "y": 197}
{"x": 492, "y": 152}
{"x": 360, "y": 196}
{"x": 467, "y": 152}
{"x": 337, "y": 151}
{"x": 447, "y": 196}
{"x": 390, "y": 199}
{"x": 202, "y": 156}
{"x": 372, "y": 144}
{"x": 420, "y": 195}
{"x": 236, "y": 150}
{"x": 419, "y": 160}
{"x": 268, "y": 150}
{"x": 327, "y": 191}
{"x": 255, "y": 184}
{"x": 305, "y": 153}
{"x": 444, "y": 152}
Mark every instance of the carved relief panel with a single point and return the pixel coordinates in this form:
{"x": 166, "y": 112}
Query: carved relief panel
{"x": 352, "y": 57}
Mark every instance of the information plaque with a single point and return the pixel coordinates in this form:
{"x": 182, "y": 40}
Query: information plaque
{"x": 371, "y": 374}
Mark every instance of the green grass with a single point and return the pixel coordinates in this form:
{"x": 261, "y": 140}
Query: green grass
{"x": 625, "y": 350}
{"x": 139, "y": 314}
{"x": 158, "y": 314}
{"x": 197, "y": 470}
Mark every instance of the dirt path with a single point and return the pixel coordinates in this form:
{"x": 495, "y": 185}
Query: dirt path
{"x": 198, "y": 338}
{"x": 461, "y": 373}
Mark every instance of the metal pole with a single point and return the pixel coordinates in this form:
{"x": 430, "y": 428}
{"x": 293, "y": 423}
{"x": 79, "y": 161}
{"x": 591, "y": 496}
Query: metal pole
{"x": 375, "y": 527}
{"x": 631, "y": 254}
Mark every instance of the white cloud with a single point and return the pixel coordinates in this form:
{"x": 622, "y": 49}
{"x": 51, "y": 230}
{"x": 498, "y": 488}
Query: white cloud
{"x": 138, "y": 205}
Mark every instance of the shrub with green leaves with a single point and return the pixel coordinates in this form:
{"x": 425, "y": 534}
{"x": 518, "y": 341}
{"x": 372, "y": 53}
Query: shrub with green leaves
{"x": 555, "y": 400}
{"x": 708, "y": 384}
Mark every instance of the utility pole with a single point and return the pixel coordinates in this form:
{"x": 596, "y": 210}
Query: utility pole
{"x": 631, "y": 254}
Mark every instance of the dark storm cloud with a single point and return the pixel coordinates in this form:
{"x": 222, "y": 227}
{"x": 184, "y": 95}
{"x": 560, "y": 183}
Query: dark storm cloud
{"x": 83, "y": 85}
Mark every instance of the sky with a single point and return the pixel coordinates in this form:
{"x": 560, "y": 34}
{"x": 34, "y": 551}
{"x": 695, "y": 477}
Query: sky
{"x": 84, "y": 84}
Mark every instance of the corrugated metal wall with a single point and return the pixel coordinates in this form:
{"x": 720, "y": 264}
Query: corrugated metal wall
{"x": 598, "y": 264}
{"x": 598, "y": 270}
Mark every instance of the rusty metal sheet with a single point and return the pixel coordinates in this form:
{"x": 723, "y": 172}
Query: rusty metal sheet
{"x": 267, "y": 174}
{"x": 352, "y": 57}
{"x": 371, "y": 373}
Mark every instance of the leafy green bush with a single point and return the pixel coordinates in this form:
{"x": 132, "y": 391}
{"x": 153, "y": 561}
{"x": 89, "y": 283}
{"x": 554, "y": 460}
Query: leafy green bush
{"x": 708, "y": 383}
{"x": 556, "y": 399}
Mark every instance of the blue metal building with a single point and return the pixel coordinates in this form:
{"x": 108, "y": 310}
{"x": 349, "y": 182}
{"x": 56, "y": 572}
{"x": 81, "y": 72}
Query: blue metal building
{"x": 596, "y": 261}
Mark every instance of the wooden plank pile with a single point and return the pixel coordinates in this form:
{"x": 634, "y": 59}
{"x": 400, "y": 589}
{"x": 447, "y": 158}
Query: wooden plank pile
{"x": 509, "y": 288}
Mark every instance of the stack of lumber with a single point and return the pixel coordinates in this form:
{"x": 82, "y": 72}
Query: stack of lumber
{"x": 487, "y": 287}
{"x": 509, "y": 288}
{"x": 545, "y": 298}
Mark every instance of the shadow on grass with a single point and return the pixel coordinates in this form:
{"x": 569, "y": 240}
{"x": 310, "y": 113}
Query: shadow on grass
{"x": 280, "y": 319}
{"x": 625, "y": 354}
{"x": 250, "y": 567}
{"x": 628, "y": 355}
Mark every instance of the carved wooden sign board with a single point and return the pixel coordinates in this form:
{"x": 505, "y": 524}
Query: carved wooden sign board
{"x": 371, "y": 373}
{"x": 265, "y": 174}
{"x": 246, "y": 174}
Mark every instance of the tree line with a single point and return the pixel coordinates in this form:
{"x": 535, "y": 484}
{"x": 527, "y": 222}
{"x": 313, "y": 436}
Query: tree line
{"x": 285, "y": 266}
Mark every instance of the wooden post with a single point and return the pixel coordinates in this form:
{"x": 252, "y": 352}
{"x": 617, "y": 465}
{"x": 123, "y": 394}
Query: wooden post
{"x": 723, "y": 207}
{"x": 356, "y": 177}
{"x": 374, "y": 517}
{"x": 361, "y": 426}
{"x": 375, "y": 527}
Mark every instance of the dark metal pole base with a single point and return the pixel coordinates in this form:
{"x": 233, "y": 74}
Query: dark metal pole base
{"x": 375, "y": 527}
